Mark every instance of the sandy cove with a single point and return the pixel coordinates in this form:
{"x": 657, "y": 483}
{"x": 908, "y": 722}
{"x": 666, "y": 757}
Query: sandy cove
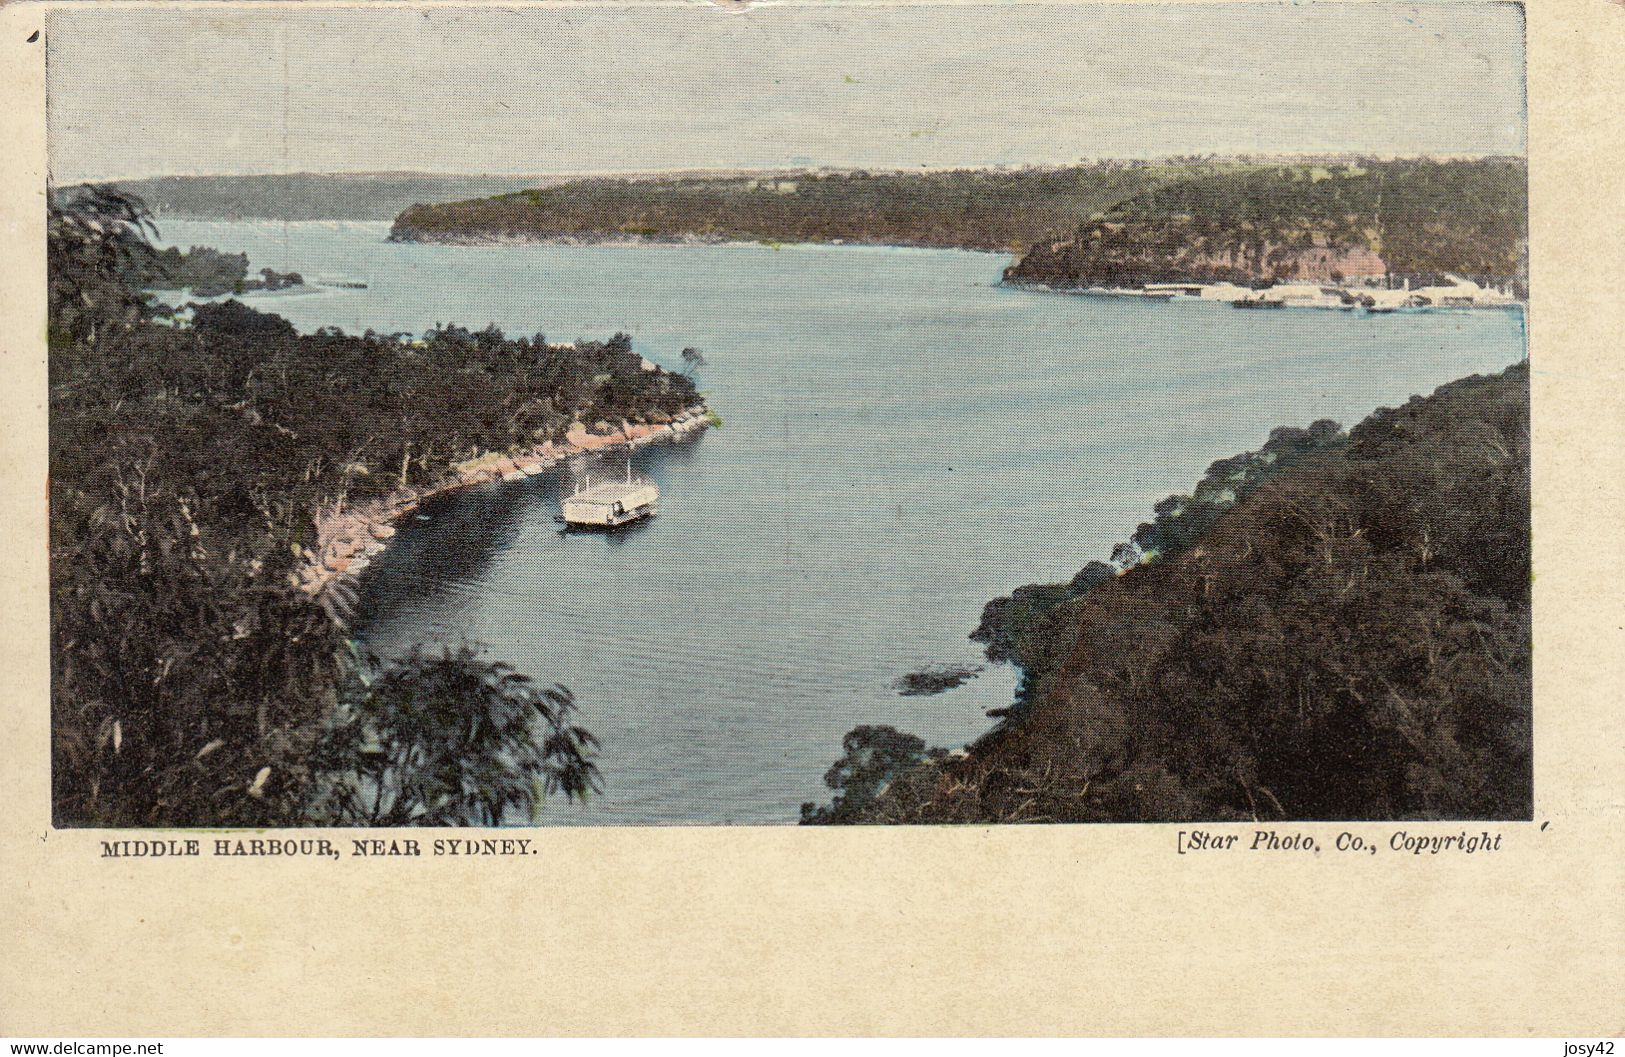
{"x": 349, "y": 537}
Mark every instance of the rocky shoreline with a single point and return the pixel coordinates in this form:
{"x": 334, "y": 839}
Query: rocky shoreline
{"x": 349, "y": 537}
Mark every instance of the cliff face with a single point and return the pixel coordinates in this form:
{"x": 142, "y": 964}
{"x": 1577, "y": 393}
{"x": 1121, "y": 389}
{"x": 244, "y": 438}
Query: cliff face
{"x": 1121, "y": 256}
{"x": 1354, "y": 223}
{"x": 1350, "y": 641}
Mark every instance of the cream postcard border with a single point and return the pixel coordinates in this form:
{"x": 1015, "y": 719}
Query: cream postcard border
{"x": 1017, "y": 930}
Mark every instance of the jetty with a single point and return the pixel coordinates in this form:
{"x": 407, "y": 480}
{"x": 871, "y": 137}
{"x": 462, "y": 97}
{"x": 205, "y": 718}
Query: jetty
{"x": 1456, "y": 292}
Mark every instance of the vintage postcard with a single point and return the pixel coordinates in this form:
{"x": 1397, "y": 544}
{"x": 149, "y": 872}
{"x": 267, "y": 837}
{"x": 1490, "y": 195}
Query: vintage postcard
{"x": 457, "y": 425}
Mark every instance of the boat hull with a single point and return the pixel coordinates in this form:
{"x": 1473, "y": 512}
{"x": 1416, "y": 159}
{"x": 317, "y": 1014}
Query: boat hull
{"x": 619, "y": 521}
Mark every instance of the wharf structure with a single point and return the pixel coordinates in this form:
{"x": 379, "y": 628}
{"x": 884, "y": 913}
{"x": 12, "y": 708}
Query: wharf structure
{"x": 1456, "y": 293}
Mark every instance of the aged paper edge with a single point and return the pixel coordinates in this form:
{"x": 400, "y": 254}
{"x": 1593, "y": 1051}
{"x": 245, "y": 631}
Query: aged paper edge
{"x": 1040, "y": 930}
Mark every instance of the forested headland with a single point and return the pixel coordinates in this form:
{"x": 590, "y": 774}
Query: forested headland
{"x": 985, "y": 209}
{"x": 193, "y": 682}
{"x": 203, "y": 271}
{"x": 1334, "y": 627}
{"x": 1371, "y": 221}
{"x": 1103, "y": 224}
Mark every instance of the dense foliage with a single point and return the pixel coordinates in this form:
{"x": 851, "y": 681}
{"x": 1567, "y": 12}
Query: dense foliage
{"x": 1252, "y": 224}
{"x": 191, "y": 679}
{"x": 95, "y": 239}
{"x": 448, "y": 740}
{"x": 980, "y": 209}
{"x": 205, "y": 272}
{"x": 872, "y": 758}
{"x": 1031, "y": 626}
{"x": 1347, "y": 639}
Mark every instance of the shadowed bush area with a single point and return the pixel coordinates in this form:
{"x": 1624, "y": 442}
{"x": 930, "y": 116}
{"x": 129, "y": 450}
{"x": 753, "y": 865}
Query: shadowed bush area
{"x": 874, "y": 756}
{"x": 192, "y": 682}
{"x": 1349, "y": 639}
{"x": 446, "y": 740}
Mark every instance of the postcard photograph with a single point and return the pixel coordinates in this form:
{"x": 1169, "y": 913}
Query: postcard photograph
{"x": 823, "y": 414}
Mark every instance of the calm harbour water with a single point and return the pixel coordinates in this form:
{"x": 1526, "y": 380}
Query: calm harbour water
{"x": 904, "y": 440}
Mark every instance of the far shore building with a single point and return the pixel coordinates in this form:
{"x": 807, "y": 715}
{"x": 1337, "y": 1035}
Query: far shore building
{"x": 1461, "y": 293}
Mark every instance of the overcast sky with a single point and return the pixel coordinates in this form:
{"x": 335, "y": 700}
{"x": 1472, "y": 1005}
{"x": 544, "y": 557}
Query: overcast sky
{"x": 139, "y": 92}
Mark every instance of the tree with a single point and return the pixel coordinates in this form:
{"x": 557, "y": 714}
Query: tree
{"x": 95, "y": 236}
{"x": 1126, "y": 555}
{"x": 449, "y": 740}
{"x": 693, "y": 360}
{"x": 873, "y": 756}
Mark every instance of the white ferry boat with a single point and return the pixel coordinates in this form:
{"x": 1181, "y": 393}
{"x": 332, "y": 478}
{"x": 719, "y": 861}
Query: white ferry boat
{"x": 612, "y": 504}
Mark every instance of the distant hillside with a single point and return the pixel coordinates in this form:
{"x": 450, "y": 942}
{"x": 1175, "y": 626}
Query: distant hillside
{"x": 1356, "y": 221}
{"x": 1335, "y": 627}
{"x": 1106, "y": 224}
{"x": 973, "y": 208}
{"x": 313, "y": 196}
